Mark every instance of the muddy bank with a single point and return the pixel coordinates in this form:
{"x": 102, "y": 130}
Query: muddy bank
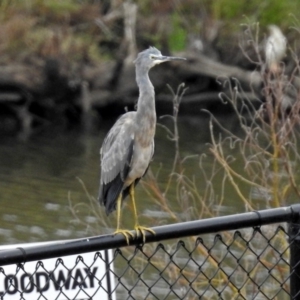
{"x": 79, "y": 66}
{"x": 46, "y": 93}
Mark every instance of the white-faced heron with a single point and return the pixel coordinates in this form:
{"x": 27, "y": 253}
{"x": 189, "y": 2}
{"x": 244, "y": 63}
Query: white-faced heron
{"x": 128, "y": 148}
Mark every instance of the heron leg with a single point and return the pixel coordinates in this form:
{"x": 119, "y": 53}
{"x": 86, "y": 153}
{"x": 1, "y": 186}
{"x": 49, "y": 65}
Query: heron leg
{"x": 139, "y": 229}
{"x": 127, "y": 234}
{"x": 119, "y": 202}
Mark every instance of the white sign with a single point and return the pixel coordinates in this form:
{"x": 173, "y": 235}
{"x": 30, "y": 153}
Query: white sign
{"x": 75, "y": 277}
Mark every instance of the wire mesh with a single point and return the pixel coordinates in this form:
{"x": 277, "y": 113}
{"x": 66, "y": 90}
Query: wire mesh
{"x": 247, "y": 264}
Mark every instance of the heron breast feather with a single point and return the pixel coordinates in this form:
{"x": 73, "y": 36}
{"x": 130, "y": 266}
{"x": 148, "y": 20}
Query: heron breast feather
{"x": 140, "y": 162}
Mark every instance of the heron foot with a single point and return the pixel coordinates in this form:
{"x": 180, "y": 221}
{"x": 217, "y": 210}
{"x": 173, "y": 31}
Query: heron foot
{"x": 127, "y": 234}
{"x": 142, "y": 230}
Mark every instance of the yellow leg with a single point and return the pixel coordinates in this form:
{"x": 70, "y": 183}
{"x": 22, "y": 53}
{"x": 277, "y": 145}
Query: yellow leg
{"x": 127, "y": 234}
{"x": 139, "y": 229}
{"x": 119, "y": 202}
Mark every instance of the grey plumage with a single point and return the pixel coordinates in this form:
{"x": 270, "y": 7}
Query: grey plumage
{"x": 129, "y": 145}
{"x": 116, "y": 155}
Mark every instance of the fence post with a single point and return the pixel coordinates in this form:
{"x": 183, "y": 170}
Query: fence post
{"x": 294, "y": 240}
{"x": 108, "y": 274}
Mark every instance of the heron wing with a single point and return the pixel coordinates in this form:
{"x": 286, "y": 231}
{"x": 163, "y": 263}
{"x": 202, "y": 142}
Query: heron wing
{"x": 116, "y": 155}
{"x": 126, "y": 190}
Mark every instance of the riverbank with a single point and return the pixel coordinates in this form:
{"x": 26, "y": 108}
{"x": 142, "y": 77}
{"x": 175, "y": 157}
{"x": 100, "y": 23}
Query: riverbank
{"x": 64, "y": 62}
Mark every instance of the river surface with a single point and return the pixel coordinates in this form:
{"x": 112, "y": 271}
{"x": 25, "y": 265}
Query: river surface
{"x": 44, "y": 181}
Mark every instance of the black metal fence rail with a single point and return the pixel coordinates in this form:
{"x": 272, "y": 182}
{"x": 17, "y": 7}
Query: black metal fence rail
{"x": 249, "y": 260}
{"x": 290, "y": 214}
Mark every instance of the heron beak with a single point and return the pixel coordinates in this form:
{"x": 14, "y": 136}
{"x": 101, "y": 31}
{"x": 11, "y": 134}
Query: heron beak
{"x": 160, "y": 59}
{"x": 168, "y": 58}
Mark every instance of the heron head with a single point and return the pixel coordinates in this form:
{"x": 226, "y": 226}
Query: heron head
{"x": 152, "y": 56}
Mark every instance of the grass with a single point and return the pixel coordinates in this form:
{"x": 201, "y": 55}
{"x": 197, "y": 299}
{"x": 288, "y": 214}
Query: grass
{"x": 27, "y": 25}
{"x": 59, "y": 29}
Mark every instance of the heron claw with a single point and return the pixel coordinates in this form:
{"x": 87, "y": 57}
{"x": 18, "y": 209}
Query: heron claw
{"x": 142, "y": 230}
{"x": 127, "y": 234}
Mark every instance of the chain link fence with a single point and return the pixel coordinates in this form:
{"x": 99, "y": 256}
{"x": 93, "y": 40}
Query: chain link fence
{"x": 254, "y": 262}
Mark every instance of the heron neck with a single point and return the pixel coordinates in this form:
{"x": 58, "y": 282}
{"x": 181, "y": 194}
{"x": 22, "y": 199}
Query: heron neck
{"x": 146, "y": 101}
{"x": 146, "y": 115}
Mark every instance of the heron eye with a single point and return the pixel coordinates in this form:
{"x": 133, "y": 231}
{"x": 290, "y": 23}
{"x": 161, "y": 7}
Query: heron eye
{"x": 152, "y": 57}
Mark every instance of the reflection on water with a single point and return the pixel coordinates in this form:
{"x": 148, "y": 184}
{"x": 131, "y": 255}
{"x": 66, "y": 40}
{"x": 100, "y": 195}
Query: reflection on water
{"x": 37, "y": 175}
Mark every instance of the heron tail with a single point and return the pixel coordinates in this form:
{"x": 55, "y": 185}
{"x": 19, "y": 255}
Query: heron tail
{"x": 109, "y": 193}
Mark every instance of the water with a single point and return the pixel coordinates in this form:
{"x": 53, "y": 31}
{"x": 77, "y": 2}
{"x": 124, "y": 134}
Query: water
{"x": 40, "y": 176}
{"x": 43, "y": 198}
